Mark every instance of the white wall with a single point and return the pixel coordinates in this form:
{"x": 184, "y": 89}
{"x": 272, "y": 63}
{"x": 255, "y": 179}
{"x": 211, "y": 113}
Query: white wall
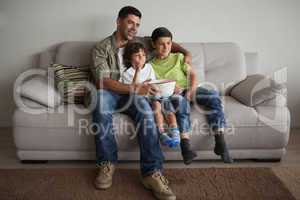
{"x": 270, "y": 27}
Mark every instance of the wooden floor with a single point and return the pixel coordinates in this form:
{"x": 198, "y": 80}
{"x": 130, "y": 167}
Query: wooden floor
{"x": 288, "y": 170}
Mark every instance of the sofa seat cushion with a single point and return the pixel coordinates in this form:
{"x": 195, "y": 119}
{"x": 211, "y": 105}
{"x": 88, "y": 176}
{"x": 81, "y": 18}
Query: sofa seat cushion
{"x": 75, "y": 133}
{"x": 236, "y": 114}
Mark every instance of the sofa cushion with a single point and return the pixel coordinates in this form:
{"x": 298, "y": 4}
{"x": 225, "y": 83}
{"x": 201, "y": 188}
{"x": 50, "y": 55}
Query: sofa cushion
{"x": 224, "y": 65}
{"x": 54, "y": 127}
{"x": 37, "y": 89}
{"x": 74, "y": 53}
{"x": 254, "y": 90}
{"x": 196, "y": 50}
{"x": 70, "y": 82}
{"x": 236, "y": 114}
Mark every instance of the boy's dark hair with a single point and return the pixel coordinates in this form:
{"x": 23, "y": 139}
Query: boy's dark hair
{"x": 161, "y": 32}
{"x": 129, "y": 10}
{"x": 130, "y": 49}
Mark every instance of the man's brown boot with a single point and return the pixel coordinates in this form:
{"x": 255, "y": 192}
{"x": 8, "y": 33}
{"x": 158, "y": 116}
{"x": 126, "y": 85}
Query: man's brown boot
{"x": 105, "y": 175}
{"x": 159, "y": 186}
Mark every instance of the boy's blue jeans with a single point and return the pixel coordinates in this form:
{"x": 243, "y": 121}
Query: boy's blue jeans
{"x": 210, "y": 99}
{"x": 180, "y": 106}
{"x": 182, "y": 111}
{"x": 212, "y": 103}
{"x": 139, "y": 110}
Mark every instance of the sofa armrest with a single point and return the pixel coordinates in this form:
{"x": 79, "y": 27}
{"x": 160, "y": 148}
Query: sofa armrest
{"x": 38, "y": 89}
{"x": 258, "y": 89}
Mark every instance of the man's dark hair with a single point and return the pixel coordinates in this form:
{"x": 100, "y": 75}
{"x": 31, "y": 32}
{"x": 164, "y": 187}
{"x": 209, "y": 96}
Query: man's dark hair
{"x": 129, "y": 10}
{"x": 160, "y": 32}
{"x": 130, "y": 49}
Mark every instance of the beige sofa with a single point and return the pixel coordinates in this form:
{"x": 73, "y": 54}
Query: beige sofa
{"x": 258, "y": 117}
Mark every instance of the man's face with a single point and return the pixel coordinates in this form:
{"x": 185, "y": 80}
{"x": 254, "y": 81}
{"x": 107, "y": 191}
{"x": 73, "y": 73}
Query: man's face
{"x": 128, "y": 26}
{"x": 163, "y": 47}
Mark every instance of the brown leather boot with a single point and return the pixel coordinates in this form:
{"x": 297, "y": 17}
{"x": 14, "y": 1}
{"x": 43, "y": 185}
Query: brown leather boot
{"x": 105, "y": 174}
{"x": 158, "y": 184}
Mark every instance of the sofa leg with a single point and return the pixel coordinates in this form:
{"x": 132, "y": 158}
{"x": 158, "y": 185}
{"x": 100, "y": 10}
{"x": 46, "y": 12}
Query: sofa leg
{"x": 34, "y": 161}
{"x": 268, "y": 160}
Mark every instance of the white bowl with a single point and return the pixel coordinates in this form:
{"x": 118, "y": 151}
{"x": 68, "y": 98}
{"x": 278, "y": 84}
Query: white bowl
{"x": 165, "y": 86}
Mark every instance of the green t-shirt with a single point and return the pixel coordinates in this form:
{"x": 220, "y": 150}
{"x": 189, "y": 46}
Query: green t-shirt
{"x": 173, "y": 67}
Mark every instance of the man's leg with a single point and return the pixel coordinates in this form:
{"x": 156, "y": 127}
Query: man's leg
{"x": 216, "y": 119}
{"x": 151, "y": 156}
{"x": 182, "y": 108}
{"x": 106, "y": 147}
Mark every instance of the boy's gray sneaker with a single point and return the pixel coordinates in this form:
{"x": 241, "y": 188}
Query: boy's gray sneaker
{"x": 159, "y": 186}
{"x": 105, "y": 175}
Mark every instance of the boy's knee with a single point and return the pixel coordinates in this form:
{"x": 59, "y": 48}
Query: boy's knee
{"x": 214, "y": 93}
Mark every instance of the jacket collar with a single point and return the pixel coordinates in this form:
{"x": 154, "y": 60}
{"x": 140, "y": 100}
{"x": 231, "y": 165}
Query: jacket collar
{"x": 114, "y": 41}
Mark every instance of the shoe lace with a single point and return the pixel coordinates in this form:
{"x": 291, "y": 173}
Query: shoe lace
{"x": 162, "y": 179}
{"x": 105, "y": 167}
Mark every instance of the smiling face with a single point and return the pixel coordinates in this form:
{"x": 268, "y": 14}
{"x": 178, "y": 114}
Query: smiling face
{"x": 163, "y": 47}
{"x": 128, "y": 26}
{"x": 138, "y": 59}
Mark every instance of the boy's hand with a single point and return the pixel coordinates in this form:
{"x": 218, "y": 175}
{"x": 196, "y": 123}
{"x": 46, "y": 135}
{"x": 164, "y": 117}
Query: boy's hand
{"x": 147, "y": 81}
{"x": 145, "y": 89}
{"x": 178, "y": 89}
{"x": 139, "y": 67}
{"x": 190, "y": 94}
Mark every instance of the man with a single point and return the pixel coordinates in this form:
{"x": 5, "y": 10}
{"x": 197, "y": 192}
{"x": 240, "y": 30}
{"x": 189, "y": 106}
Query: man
{"x": 113, "y": 95}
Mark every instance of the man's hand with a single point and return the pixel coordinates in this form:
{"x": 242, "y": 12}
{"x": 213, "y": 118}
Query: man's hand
{"x": 176, "y": 48}
{"x": 145, "y": 89}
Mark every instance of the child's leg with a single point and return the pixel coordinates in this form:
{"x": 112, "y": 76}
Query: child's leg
{"x": 171, "y": 120}
{"x": 159, "y": 118}
{"x": 182, "y": 106}
{"x": 173, "y": 128}
{"x": 172, "y": 123}
{"x": 169, "y": 113}
{"x": 211, "y": 100}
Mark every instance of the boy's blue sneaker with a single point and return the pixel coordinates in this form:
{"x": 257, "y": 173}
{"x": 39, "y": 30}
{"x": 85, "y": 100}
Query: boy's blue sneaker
{"x": 165, "y": 139}
{"x": 175, "y": 135}
{"x": 174, "y": 144}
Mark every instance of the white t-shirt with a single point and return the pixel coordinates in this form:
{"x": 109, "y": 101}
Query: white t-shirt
{"x": 147, "y": 73}
{"x": 120, "y": 56}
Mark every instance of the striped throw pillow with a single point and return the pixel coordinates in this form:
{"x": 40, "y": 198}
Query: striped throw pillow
{"x": 70, "y": 82}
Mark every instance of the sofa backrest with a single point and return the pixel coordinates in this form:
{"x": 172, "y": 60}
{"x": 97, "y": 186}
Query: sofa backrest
{"x": 218, "y": 64}
{"x": 223, "y": 64}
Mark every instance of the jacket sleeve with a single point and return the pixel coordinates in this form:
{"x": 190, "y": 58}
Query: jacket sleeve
{"x": 100, "y": 68}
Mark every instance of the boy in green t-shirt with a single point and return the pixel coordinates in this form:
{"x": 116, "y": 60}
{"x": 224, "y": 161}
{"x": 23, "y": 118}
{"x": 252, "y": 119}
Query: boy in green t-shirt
{"x": 169, "y": 65}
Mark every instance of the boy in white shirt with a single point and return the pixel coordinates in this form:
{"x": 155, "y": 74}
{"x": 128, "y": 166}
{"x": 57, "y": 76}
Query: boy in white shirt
{"x": 138, "y": 71}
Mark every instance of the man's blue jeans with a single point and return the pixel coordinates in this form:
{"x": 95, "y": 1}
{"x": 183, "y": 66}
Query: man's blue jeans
{"x": 210, "y": 99}
{"x": 139, "y": 110}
